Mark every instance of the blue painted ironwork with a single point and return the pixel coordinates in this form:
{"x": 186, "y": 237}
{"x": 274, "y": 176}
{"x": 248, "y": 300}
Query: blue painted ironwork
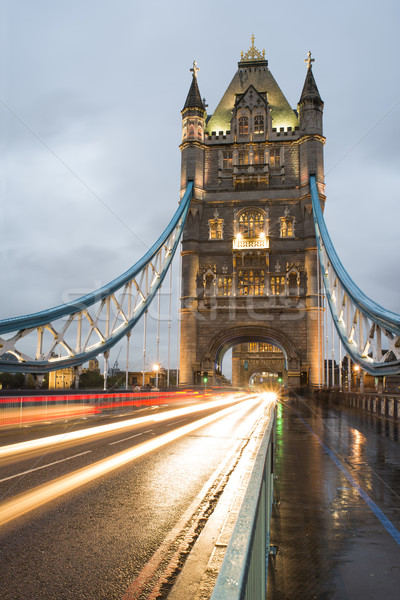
{"x": 369, "y": 333}
{"x": 136, "y": 288}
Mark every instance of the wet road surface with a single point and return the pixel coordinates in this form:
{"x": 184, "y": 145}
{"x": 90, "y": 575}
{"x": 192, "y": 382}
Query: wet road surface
{"x": 94, "y": 541}
{"x": 336, "y": 521}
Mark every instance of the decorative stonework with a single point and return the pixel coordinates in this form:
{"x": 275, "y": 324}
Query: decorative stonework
{"x": 249, "y": 251}
{"x": 252, "y": 53}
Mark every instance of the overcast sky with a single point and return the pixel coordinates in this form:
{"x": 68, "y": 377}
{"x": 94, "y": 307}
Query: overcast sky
{"x": 90, "y": 99}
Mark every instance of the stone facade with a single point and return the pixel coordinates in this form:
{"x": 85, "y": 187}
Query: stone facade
{"x": 249, "y": 270}
{"x": 256, "y": 360}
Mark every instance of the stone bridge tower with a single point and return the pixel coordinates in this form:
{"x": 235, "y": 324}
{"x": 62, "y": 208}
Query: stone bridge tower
{"x": 249, "y": 265}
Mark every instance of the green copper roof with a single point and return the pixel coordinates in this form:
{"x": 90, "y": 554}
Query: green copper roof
{"x": 254, "y": 73}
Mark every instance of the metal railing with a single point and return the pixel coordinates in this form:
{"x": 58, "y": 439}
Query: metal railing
{"x": 243, "y": 574}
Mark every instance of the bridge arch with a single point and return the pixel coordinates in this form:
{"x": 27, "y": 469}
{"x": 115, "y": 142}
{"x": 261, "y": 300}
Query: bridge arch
{"x": 233, "y": 336}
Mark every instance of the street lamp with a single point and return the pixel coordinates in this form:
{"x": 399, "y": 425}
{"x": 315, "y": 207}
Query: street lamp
{"x": 356, "y": 376}
{"x": 156, "y": 368}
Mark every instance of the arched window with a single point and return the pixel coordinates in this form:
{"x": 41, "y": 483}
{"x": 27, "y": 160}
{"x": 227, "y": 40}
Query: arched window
{"x": 287, "y": 226}
{"x": 293, "y": 287}
{"x": 259, "y": 124}
{"x": 216, "y": 229}
{"x": 209, "y": 287}
{"x": 191, "y": 128}
{"x": 251, "y": 223}
{"x": 243, "y": 125}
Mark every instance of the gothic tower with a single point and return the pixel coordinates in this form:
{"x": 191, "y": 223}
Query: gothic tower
{"x": 249, "y": 270}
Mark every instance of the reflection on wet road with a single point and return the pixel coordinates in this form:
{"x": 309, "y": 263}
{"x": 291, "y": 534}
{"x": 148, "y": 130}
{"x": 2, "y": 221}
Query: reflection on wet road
{"x": 337, "y": 518}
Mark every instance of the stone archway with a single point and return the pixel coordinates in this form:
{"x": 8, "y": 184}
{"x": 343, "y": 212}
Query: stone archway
{"x": 232, "y": 336}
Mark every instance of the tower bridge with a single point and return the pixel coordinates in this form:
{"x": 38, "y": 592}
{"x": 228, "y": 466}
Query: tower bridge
{"x": 256, "y": 255}
{"x": 258, "y": 274}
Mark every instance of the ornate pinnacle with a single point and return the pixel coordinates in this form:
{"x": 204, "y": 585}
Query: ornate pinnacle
{"x": 309, "y": 60}
{"x": 195, "y": 69}
{"x": 252, "y": 53}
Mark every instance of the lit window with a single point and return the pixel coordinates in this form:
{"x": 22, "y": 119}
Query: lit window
{"x": 216, "y": 229}
{"x": 277, "y": 286}
{"x": 251, "y": 223}
{"x": 224, "y": 286}
{"x": 258, "y": 157}
{"x": 227, "y": 160}
{"x": 275, "y": 158}
{"x": 243, "y": 158}
{"x": 243, "y": 126}
{"x": 251, "y": 282}
{"x": 253, "y": 346}
{"x": 265, "y": 347}
{"x": 259, "y": 124}
{"x": 287, "y": 226}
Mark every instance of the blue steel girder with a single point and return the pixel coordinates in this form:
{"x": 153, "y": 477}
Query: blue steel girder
{"x": 369, "y": 333}
{"x": 71, "y": 334}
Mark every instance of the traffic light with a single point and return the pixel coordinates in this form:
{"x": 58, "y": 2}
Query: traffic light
{"x": 280, "y": 378}
{"x": 205, "y": 376}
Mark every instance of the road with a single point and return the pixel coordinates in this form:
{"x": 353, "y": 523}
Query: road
{"x": 98, "y": 512}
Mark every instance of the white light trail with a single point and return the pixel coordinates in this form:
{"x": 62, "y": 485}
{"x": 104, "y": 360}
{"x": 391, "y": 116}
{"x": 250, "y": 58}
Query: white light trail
{"x": 14, "y": 449}
{"x": 42, "y": 494}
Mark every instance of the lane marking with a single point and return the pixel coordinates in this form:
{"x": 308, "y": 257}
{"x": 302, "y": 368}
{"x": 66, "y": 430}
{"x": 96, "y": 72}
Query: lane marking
{"x": 175, "y": 422}
{"x": 135, "y": 589}
{"x": 386, "y": 522}
{"x": 32, "y": 499}
{"x": 56, "y": 462}
{"x": 130, "y": 437}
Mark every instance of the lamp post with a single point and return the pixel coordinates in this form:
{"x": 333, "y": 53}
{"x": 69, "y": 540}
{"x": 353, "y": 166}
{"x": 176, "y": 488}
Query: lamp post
{"x": 356, "y": 377}
{"x": 156, "y": 368}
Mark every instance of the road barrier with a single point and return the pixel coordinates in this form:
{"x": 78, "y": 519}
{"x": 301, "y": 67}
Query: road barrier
{"x": 243, "y": 574}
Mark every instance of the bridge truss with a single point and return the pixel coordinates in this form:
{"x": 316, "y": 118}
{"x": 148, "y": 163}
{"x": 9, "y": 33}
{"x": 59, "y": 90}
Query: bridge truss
{"x": 369, "y": 333}
{"x": 71, "y": 334}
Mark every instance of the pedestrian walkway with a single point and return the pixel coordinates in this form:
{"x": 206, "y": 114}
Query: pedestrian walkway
{"x": 336, "y": 520}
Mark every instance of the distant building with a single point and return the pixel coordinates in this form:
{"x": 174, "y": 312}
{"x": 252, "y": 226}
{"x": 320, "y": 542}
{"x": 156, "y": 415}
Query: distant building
{"x": 94, "y": 365}
{"x": 63, "y": 379}
{"x": 136, "y": 378}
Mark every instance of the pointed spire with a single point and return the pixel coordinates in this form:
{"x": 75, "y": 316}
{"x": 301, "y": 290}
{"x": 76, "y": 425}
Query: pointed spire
{"x": 193, "y": 99}
{"x": 310, "y": 90}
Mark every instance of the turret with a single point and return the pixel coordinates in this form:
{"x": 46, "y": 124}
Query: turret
{"x": 192, "y": 147}
{"x": 193, "y": 150}
{"x": 310, "y": 105}
{"x": 310, "y": 109}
